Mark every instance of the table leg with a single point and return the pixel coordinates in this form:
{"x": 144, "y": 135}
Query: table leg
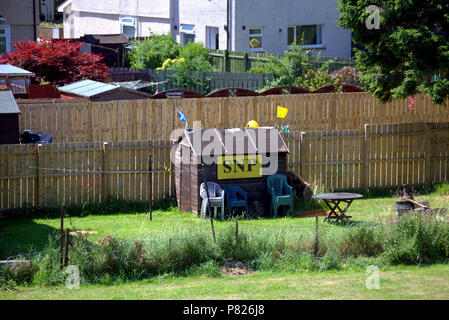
{"x": 333, "y": 214}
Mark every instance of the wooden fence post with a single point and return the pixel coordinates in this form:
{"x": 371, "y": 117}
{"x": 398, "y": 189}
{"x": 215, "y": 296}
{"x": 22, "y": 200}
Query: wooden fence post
{"x": 366, "y": 157}
{"x": 103, "y": 174}
{"x": 302, "y": 155}
{"x": 428, "y": 153}
{"x": 37, "y": 180}
{"x": 226, "y": 65}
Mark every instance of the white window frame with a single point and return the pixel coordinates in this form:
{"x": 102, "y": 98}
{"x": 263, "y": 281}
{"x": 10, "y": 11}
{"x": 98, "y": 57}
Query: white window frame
{"x": 256, "y": 35}
{"x": 7, "y": 35}
{"x": 187, "y": 29}
{"x": 308, "y": 46}
{"x": 124, "y": 23}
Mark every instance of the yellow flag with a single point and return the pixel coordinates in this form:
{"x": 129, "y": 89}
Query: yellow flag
{"x": 282, "y": 112}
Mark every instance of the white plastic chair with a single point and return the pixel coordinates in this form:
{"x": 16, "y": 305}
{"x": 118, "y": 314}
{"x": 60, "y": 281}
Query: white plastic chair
{"x": 216, "y": 198}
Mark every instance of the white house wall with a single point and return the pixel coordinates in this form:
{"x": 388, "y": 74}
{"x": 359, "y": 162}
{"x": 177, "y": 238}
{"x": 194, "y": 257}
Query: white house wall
{"x": 202, "y": 14}
{"x": 275, "y": 15}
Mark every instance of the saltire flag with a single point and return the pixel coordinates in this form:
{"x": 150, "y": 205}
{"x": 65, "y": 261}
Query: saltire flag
{"x": 282, "y": 112}
{"x": 182, "y": 116}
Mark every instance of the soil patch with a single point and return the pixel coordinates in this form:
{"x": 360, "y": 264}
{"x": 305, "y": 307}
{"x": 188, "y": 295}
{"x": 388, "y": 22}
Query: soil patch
{"x": 235, "y": 268}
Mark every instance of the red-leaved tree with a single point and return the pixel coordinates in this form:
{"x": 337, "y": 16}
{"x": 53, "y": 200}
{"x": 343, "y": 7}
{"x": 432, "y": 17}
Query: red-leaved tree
{"x": 57, "y": 61}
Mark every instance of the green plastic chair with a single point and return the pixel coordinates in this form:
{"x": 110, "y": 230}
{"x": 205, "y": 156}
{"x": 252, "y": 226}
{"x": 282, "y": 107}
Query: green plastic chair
{"x": 281, "y": 193}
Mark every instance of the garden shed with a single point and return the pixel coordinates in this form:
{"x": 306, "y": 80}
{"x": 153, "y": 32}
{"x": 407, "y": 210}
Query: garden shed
{"x": 16, "y": 79}
{"x": 9, "y": 118}
{"x": 98, "y": 91}
{"x": 245, "y": 162}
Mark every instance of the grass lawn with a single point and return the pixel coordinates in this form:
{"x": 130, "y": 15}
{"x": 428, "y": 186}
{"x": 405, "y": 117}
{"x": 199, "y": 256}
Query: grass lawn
{"x": 398, "y": 282}
{"x": 401, "y": 282}
{"x": 30, "y": 235}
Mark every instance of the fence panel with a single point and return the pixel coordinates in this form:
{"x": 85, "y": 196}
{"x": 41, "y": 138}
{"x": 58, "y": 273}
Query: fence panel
{"x": 155, "y": 119}
{"x": 79, "y": 172}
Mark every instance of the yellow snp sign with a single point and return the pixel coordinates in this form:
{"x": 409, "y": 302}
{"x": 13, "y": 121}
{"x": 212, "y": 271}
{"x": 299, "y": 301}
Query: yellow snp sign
{"x": 239, "y": 167}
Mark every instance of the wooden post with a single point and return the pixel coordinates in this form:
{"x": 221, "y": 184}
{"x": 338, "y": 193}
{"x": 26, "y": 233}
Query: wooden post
{"x": 302, "y": 156}
{"x": 61, "y": 251}
{"x": 226, "y": 64}
{"x": 36, "y": 181}
{"x": 366, "y": 157}
{"x": 66, "y": 255}
{"x": 428, "y": 153}
{"x": 208, "y": 204}
{"x": 150, "y": 196}
{"x": 236, "y": 229}
{"x": 316, "y": 237}
{"x": 247, "y": 64}
{"x": 103, "y": 174}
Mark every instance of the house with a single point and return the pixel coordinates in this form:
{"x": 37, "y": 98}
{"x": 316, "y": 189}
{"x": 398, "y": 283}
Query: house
{"x": 99, "y": 91}
{"x": 18, "y": 21}
{"x": 237, "y": 25}
{"x": 9, "y": 118}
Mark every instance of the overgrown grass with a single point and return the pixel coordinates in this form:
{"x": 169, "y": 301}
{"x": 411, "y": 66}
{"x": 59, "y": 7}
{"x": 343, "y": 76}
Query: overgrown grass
{"x": 412, "y": 239}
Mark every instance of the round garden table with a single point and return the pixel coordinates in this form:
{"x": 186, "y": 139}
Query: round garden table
{"x": 333, "y": 201}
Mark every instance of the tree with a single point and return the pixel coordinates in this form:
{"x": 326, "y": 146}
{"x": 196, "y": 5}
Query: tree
{"x": 151, "y": 53}
{"x": 295, "y": 68}
{"x": 56, "y": 61}
{"x": 193, "y": 57}
{"x": 407, "y": 53}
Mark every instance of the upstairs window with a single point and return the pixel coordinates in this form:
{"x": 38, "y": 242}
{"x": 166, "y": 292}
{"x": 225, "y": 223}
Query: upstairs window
{"x": 5, "y": 38}
{"x": 187, "y": 34}
{"x": 311, "y": 36}
{"x": 255, "y": 39}
{"x": 128, "y": 26}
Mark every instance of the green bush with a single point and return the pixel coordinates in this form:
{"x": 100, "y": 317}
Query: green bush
{"x": 151, "y": 53}
{"x": 363, "y": 240}
{"x": 417, "y": 239}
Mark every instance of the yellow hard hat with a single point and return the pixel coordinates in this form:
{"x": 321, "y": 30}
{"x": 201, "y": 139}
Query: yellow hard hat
{"x": 252, "y": 124}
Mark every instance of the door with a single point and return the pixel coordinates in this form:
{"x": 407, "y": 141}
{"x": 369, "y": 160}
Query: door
{"x": 212, "y": 38}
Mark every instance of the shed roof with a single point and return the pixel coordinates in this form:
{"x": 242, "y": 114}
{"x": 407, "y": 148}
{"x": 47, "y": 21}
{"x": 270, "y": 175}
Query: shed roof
{"x": 10, "y": 70}
{"x": 225, "y": 141}
{"x": 88, "y": 88}
{"x": 8, "y": 104}
{"x": 119, "y": 38}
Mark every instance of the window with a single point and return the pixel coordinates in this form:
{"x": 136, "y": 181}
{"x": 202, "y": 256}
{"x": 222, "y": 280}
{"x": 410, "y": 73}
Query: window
{"x": 310, "y": 35}
{"x": 128, "y": 26}
{"x": 5, "y": 45}
{"x": 255, "y": 39}
{"x": 187, "y": 34}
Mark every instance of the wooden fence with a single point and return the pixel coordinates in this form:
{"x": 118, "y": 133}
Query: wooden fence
{"x": 236, "y": 61}
{"x": 155, "y": 119}
{"x": 209, "y": 81}
{"x": 375, "y": 156}
{"x": 73, "y": 173}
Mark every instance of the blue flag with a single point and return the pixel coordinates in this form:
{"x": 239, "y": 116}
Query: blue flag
{"x": 182, "y": 116}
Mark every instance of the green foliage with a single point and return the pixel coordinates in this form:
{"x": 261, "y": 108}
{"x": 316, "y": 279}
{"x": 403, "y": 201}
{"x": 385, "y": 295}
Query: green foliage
{"x": 295, "y": 68}
{"x": 408, "y": 53}
{"x": 151, "y": 53}
{"x": 193, "y": 57}
{"x": 417, "y": 239}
